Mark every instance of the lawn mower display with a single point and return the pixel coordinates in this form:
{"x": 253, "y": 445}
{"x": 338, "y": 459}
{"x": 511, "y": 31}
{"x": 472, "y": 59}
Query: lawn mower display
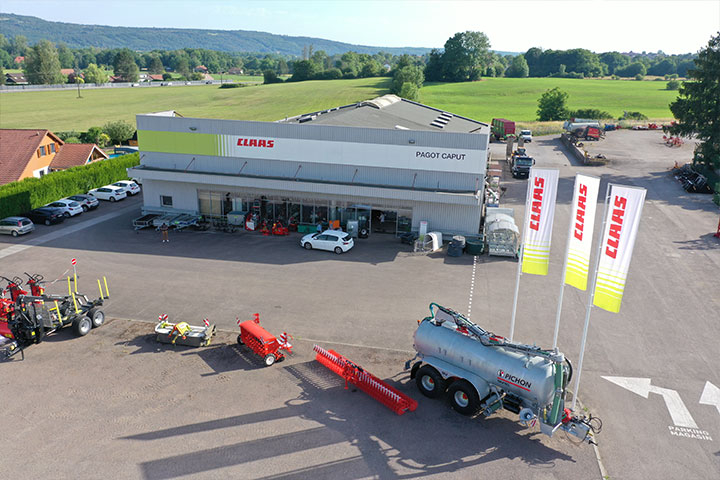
{"x": 263, "y": 343}
{"x": 182, "y": 333}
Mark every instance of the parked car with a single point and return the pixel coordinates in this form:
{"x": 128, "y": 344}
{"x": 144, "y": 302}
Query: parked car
{"x": 108, "y": 192}
{"x": 332, "y": 240}
{"x": 16, "y": 226}
{"x": 46, "y": 215}
{"x": 69, "y": 208}
{"x": 87, "y": 202}
{"x": 131, "y": 188}
{"x": 526, "y": 135}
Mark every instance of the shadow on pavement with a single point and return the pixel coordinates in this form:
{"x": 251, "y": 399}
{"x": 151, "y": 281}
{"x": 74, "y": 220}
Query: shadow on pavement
{"x": 387, "y": 449}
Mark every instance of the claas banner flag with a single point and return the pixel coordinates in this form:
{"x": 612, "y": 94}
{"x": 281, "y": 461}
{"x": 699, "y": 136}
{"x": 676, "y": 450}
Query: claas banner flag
{"x": 539, "y": 214}
{"x": 621, "y": 225}
{"x": 582, "y": 222}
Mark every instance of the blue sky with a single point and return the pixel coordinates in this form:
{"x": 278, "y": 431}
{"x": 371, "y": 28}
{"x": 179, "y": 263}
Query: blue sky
{"x": 599, "y": 25}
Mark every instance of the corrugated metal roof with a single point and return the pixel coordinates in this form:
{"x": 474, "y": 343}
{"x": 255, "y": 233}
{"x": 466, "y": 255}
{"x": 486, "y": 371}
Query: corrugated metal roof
{"x": 391, "y": 112}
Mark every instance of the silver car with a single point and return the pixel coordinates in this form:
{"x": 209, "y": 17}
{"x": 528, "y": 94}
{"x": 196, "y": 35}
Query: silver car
{"x": 16, "y": 226}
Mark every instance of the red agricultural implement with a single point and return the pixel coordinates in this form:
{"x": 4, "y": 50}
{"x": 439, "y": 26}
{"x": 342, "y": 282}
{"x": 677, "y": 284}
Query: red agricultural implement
{"x": 262, "y": 342}
{"x": 396, "y": 401}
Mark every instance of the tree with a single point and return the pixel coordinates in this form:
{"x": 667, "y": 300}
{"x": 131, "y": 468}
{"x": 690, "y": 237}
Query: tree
{"x": 409, "y": 74}
{"x": 156, "y": 66}
{"x": 672, "y": 85}
{"x": 632, "y": 70}
{"x": 465, "y": 53}
{"x": 370, "y": 69}
{"x": 433, "y": 68}
{"x": 518, "y": 68}
{"x": 125, "y": 67}
{"x": 697, "y": 108}
{"x": 18, "y": 45}
{"x": 118, "y": 131}
{"x": 409, "y": 90}
{"x": 303, "y": 70}
{"x": 95, "y": 74}
{"x": 65, "y": 55}
{"x": 269, "y": 76}
{"x": 42, "y": 65}
{"x": 552, "y": 105}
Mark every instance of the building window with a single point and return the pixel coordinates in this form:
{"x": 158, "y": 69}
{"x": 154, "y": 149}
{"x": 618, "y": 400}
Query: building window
{"x": 166, "y": 201}
{"x": 41, "y": 151}
{"x": 52, "y": 148}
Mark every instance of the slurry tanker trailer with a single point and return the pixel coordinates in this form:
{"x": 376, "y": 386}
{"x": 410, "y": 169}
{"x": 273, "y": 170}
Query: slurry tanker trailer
{"x": 482, "y": 373}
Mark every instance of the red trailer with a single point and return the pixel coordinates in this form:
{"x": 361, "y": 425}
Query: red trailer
{"x": 262, "y": 342}
{"x": 502, "y": 128}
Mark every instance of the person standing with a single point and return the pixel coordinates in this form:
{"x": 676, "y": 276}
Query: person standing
{"x": 164, "y": 230}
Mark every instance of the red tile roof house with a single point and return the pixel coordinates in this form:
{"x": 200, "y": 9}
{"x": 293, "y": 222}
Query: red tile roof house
{"x": 26, "y": 153}
{"x": 76, "y": 154}
{"x": 19, "y": 59}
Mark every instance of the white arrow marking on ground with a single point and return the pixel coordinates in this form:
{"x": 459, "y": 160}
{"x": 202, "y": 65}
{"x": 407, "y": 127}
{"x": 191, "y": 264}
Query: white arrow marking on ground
{"x": 678, "y": 411}
{"x": 711, "y": 396}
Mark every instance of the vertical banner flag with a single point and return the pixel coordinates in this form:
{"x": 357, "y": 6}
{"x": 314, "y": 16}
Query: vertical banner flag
{"x": 621, "y": 225}
{"x": 539, "y": 215}
{"x": 582, "y": 223}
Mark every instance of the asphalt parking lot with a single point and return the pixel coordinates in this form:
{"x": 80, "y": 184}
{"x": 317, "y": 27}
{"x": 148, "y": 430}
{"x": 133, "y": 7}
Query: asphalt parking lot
{"x": 116, "y": 404}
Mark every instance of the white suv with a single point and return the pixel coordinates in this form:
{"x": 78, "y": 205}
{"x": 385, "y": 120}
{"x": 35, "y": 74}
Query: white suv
{"x": 69, "y": 208}
{"x": 526, "y": 135}
{"x": 108, "y": 192}
{"x": 332, "y": 240}
{"x": 131, "y": 188}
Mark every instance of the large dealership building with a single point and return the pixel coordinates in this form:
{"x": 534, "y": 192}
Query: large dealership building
{"x": 389, "y": 163}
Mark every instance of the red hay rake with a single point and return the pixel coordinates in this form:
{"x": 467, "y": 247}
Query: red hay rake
{"x": 367, "y": 382}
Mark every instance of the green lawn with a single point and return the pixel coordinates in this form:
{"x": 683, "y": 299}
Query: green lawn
{"x": 63, "y": 111}
{"x": 515, "y": 99}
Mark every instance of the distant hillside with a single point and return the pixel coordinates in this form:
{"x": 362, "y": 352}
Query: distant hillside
{"x": 145, "y": 39}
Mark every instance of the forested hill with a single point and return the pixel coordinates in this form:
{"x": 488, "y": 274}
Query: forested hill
{"x": 146, "y": 39}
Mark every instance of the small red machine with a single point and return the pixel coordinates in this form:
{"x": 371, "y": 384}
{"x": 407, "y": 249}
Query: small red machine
{"x": 279, "y": 229}
{"x": 395, "y": 400}
{"x": 262, "y": 342}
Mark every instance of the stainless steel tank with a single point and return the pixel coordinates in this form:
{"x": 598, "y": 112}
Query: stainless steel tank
{"x": 526, "y": 376}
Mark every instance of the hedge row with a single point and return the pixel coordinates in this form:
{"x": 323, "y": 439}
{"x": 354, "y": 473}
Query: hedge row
{"x": 19, "y": 197}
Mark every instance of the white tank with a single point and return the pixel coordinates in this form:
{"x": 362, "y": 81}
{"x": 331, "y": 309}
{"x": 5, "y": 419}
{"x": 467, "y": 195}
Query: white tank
{"x": 529, "y": 377}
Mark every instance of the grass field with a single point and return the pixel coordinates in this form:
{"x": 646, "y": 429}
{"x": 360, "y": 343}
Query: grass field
{"x": 515, "y": 99}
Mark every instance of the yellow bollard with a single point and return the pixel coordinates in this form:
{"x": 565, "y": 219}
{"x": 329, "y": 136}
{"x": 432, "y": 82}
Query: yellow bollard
{"x": 100, "y": 288}
{"x": 107, "y": 292}
{"x": 75, "y": 283}
{"x": 69, "y": 289}
{"x": 57, "y": 309}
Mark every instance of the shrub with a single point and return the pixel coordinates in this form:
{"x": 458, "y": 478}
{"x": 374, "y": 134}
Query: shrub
{"x": 70, "y": 134}
{"x": 639, "y": 77}
{"x": 19, "y": 197}
{"x": 615, "y": 77}
{"x": 73, "y": 140}
{"x": 672, "y": 85}
{"x": 633, "y": 116}
{"x": 118, "y": 131}
{"x": 231, "y": 85}
{"x": 409, "y": 90}
{"x": 590, "y": 113}
{"x": 167, "y": 76}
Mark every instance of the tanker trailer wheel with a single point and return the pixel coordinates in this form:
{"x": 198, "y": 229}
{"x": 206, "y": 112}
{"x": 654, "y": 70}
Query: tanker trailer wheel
{"x": 463, "y": 398}
{"x": 269, "y": 359}
{"x": 430, "y": 382}
{"x": 82, "y": 326}
{"x": 97, "y": 316}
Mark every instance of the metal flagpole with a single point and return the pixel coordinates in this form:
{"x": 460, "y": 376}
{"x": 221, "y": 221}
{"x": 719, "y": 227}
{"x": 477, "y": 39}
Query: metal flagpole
{"x": 562, "y": 281}
{"x": 520, "y": 259}
{"x": 591, "y": 296}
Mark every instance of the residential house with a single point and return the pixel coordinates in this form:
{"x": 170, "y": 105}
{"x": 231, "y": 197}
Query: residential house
{"x": 201, "y": 69}
{"x": 235, "y": 71}
{"x": 70, "y": 74}
{"x": 18, "y": 60}
{"x": 76, "y": 154}
{"x": 26, "y": 153}
{"x": 15, "y": 79}
{"x": 155, "y": 77}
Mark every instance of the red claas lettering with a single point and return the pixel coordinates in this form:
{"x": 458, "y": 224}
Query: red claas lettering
{"x": 536, "y": 208}
{"x": 254, "y": 142}
{"x": 616, "y": 223}
{"x": 580, "y": 216}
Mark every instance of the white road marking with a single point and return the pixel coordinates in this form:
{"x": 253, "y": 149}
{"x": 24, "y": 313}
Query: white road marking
{"x": 6, "y": 252}
{"x": 642, "y": 386}
{"x": 472, "y": 287}
{"x": 711, "y": 396}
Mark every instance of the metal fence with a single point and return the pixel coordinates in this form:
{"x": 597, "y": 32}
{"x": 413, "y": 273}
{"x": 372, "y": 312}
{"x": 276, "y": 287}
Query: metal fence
{"x": 85, "y": 86}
